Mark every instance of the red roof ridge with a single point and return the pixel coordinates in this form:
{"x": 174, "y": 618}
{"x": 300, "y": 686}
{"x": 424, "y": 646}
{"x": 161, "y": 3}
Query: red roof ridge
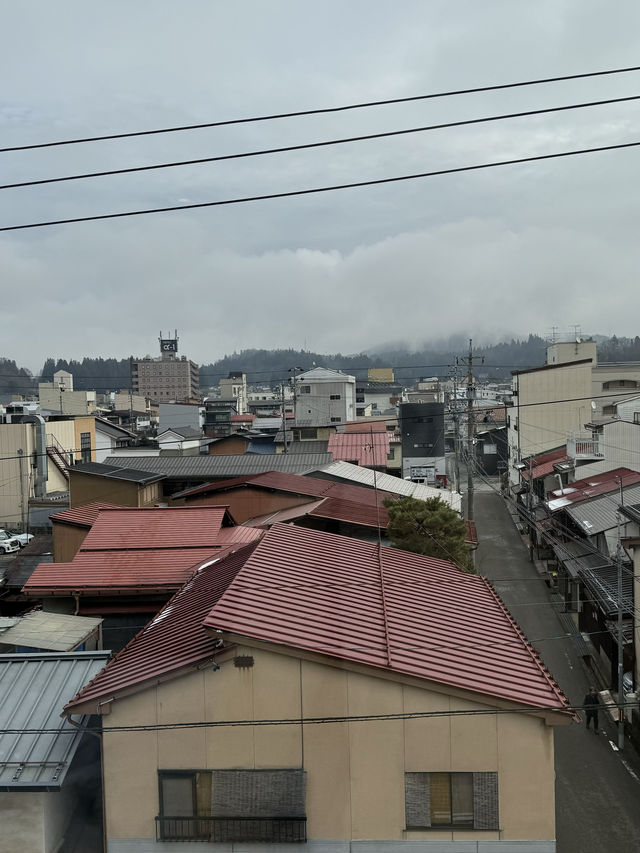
{"x": 535, "y": 654}
{"x": 203, "y": 650}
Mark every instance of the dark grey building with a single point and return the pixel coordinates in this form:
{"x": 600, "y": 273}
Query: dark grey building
{"x": 422, "y": 432}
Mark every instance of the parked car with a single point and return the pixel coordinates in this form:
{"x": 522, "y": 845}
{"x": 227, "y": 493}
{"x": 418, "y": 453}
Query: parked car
{"x": 10, "y": 543}
{"x": 23, "y": 538}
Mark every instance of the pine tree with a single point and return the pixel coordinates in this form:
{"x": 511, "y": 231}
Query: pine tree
{"x": 428, "y": 527}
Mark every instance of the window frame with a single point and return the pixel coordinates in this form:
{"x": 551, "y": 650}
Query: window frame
{"x": 485, "y": 814}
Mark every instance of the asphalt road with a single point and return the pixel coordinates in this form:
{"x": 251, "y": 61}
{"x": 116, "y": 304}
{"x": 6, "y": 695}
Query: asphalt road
{"x": 597, "y": 788}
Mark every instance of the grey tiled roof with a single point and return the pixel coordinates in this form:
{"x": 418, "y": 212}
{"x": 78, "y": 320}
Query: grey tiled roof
{"x": 232, "y": 465}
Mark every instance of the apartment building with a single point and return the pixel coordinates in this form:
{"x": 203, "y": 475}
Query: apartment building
{"x": 167, "y": 378}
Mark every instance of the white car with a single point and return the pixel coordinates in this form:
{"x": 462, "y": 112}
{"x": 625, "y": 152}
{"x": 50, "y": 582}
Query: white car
{"x": 9, "y": 543}
{"x": 7, "y": 546}
{"x": 23, "y": 538}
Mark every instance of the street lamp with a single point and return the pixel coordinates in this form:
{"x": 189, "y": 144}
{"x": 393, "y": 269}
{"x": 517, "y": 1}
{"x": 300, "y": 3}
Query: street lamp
{"x": 61, "y": 387}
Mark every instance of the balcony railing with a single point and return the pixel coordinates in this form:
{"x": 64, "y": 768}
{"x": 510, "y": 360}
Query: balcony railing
{"x": 279, "y": 830}
{"x": 584, "y": 448}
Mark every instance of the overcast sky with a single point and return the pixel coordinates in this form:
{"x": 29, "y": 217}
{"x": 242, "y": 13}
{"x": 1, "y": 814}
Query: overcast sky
{"x": 488, "y": 253}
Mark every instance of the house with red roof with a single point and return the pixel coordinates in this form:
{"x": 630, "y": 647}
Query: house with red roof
{"x": 328, "y": 694}
{"x": 132, "y": 560}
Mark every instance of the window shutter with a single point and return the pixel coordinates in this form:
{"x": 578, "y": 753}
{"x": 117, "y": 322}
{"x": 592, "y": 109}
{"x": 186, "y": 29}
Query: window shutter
{"x": 485, "y": 801}
{"x": 258, "y": 793}
{"x": 417, "y": 803}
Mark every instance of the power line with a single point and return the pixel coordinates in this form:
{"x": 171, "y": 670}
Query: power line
{"x": 325, "y": 110}
{"x": 325, "y": 189}
{"x": 322, "y": 144}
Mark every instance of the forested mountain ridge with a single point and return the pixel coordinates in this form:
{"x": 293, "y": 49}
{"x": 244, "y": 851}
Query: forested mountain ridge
{"x": 270, "y": 367}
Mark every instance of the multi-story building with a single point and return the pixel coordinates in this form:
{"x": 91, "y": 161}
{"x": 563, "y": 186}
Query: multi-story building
{"x": 168, "y": 378}
{"x": 59, "y": 396}
{"x": 325, "y": 397}
{"x": 422, "y": 431}
{"x": 235, "y": 387}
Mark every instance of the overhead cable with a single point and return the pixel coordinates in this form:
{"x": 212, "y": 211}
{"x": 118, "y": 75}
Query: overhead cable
{"x": 317, "y": 190}
{"x": 325, "y": 110}
{"x": 310, "y": 145}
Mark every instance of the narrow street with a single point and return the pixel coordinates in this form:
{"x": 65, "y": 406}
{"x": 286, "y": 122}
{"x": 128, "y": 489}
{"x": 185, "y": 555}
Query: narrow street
{"x": 597, "y": 788}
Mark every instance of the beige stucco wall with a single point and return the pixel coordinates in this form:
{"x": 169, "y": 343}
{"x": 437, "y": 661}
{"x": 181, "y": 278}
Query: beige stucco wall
{"x": 22, "y": 822}
{"x": 548, "y": 425}
{"x": 14, "y": 491}
{"x": 355, "y": 770}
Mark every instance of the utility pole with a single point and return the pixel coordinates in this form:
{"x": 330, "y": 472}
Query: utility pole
{"x": 470, "y": 427}
{"x": 456, "y": 430}
{"x": 284, "y": 419}
{"x": 294, "y": 370}
{"x": 620, "y": 631}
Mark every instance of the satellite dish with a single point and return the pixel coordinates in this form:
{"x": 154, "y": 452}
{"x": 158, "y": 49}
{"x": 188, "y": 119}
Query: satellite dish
{"x": 593, "y": 405}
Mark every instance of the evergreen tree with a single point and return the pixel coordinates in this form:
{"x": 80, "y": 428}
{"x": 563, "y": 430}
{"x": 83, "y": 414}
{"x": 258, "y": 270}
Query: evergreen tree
{"x": 428, "y": 527}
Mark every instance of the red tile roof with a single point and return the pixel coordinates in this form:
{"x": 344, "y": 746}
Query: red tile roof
{"x": 362, "y": 448}
{"x": 414, "y": 615}
{"x": 591, "y": 487}
{"x": 350, "y": 512}
{"x": 174, "y": 640}
{"x": 542, "y": 465}
{"x": 82, "y": 516}
{"x": 294, "y": 483}
{"x": 366, "y": 426}
{"x": 140, "y": 550}
{"x": 341, "y": 598}
{"x": 153, "y": 528}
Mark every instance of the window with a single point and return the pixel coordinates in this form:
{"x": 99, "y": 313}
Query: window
{"x": 619, "y": 383}
{"x": 305, "y": 389}
{"x": 308, "y": 433}
{"x": 85, "y": 446}
{"x": 636, "y": 417}
{"x": 436, "y": 800}
{"x": 232, "y": 805}
{"x": 335, "y": 420}
{"x": 334, "y": 396}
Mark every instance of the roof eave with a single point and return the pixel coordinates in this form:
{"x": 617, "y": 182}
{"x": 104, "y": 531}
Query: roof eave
{"x": 551, "y": 716}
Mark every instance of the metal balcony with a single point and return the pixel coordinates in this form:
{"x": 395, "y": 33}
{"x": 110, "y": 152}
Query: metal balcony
{"x": 278, "y": 830}
{"x": 584, "y": 448}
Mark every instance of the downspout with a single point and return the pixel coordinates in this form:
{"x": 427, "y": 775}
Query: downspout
{"x": 42, "y": 469}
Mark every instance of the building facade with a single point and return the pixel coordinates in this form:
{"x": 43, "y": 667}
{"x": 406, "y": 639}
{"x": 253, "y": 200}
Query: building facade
{"x": 324, "y": 397}
{"x": 422, "y": 432}
{"x": 167, "y": 378}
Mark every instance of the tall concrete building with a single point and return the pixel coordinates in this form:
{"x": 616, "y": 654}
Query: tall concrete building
{"x": 167, "y": 378}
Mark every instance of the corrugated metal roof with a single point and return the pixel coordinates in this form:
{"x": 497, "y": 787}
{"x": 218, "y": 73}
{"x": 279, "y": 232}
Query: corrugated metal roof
{"x": 141, "y": 528}
{"x": 335, "y": 509}
{"x": 293, "y": 483}
{"x": 138, "y": 549}
{"x": 542, "y": 464}
{"x": 389, "y": 483}
{"x": 83, "y": 516}
{"x": 602, "y": 583}
{"x": 591, "y": 487}
{"x": 315, "y": 591}
{"x": 361, "y": 448}
{"x": 175, "y": 639}
{"x": 33, "y": 691}
{"x": 416, "y": 615}
{"x": 598, "y": 515}
{"x": 53, "y": 632}
{"x": 229, "y": 465}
